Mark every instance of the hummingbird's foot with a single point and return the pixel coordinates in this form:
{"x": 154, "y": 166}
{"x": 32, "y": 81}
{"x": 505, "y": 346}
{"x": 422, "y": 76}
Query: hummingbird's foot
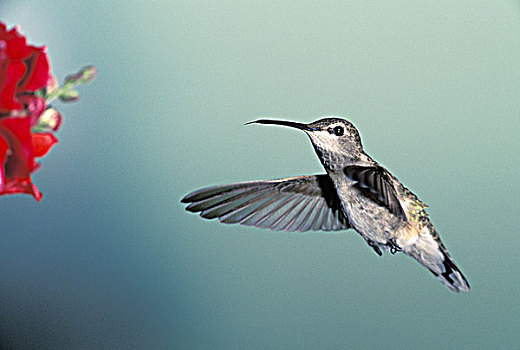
{"x": 394, "y": 247}
{"x": 375, "y": 246}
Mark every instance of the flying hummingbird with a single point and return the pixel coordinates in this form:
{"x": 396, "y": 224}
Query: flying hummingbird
{"x": 356, "y": 192}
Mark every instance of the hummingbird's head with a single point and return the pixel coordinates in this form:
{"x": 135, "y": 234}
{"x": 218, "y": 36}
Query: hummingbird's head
{"x": 331, "y": 135}
{"x": 332, "y": 138}
{"x": 335, "y": 135}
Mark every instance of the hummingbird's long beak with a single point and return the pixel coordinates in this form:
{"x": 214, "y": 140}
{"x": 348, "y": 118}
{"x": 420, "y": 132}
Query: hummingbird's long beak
{"x": 284, "y": 123}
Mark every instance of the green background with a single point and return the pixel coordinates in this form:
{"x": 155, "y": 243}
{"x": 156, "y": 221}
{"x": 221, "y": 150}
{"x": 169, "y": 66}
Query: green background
{"x": 110, "y": 258}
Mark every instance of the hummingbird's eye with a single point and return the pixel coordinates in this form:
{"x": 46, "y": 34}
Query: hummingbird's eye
{"x": 338, "y": 131}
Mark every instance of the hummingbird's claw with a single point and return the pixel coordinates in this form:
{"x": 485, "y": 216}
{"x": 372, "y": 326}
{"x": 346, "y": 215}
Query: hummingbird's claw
{"x": 394, "y": 247}
{"x": 375, "y": 247}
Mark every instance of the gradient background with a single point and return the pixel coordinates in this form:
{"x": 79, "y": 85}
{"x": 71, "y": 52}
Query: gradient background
{"x": 110, "y": 259}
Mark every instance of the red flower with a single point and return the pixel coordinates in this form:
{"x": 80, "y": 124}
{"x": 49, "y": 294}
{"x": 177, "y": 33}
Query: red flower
{"x": 27, "y": 123}
{"x": 24, "y": 69}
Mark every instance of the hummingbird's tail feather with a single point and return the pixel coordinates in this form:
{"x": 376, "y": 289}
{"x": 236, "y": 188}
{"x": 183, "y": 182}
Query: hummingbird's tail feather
{"x": 451, "y": 276}
{"x": 432, "y": 254}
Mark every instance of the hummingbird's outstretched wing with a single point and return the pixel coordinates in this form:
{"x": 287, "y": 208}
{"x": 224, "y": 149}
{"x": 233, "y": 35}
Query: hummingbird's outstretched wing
{"x": 374, "y": 183}
{"x": 292, "y": 204}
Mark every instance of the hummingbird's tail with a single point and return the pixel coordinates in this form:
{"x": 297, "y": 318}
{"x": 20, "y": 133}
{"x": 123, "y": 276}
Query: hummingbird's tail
{"x": 450, "y": 274}
{"x": 430, "y": 252}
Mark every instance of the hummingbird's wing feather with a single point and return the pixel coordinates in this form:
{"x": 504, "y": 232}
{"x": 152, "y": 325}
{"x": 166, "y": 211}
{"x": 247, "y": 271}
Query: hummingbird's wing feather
{"x": 375, "y": 184}
{"x": 293, "y": 204}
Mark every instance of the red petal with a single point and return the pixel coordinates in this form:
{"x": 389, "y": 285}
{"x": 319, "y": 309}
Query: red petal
{"x": 22, "y": 186}
{"x": 43, "y": 143}
{"x": 10, "y": 75}
{"x": 4, "y": 147}
{"x": 10, "y": 183}
{"x": 17, "y": 133}
{"x": 37, "y": 74}
{"x": 17, "y": 48}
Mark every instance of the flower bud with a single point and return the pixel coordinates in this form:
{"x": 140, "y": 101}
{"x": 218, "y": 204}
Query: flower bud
{"x": 85, "y": 75}
{"x": 50, "y": 119}
{"x": 69, "y": 95}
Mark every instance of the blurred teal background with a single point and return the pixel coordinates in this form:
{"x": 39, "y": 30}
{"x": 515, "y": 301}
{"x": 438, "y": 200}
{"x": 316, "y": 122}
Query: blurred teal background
{"x": 110, "y": 259}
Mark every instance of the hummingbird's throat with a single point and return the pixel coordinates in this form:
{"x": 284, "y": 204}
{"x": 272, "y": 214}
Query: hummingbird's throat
{"x": 328, "y": 159}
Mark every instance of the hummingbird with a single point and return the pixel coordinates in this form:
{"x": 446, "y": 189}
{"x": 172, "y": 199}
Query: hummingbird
{"x": 356, "y": 193}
